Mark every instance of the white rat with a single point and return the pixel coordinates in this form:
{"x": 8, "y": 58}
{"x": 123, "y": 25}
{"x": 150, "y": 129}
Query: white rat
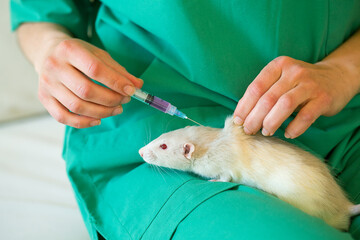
{"x": 266, "y": 163}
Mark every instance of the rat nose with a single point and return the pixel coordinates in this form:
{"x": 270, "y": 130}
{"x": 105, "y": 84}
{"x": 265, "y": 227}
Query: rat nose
{"x": 141, "y": 152}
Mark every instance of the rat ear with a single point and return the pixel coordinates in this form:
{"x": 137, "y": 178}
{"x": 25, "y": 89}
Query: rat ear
{"x": 189, "y": 148}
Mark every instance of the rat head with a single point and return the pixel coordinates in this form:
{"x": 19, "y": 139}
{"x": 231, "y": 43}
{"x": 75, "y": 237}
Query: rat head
{"x": 173, "y": 149}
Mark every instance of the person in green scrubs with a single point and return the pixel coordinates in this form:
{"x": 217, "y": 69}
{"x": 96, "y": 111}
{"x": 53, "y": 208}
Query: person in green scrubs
{"x": 294, "y": 65}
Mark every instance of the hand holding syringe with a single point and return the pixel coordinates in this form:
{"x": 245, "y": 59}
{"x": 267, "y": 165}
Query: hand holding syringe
{"x": 159, "y": 104}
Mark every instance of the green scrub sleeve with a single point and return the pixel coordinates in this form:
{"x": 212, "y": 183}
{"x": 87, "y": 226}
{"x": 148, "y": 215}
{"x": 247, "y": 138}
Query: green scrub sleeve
{"x": 76, "y": 16}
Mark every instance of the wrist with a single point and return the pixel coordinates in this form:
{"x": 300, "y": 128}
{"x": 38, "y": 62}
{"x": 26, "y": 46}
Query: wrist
{"x": 349, "y": 74}
{"x": 346, "y": 58}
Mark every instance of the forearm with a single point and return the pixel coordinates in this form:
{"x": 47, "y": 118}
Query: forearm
{"x": 347, "y": 59}
{"x": 36, "y": 39}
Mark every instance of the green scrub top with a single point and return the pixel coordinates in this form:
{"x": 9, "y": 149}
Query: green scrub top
{"x": 201, "y": 56}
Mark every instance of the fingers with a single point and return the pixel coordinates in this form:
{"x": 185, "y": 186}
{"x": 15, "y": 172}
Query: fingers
{"x": 68, "y": 93}
{"x": 305, "y": 118}
{"x": 107, "y": 59}
{"x": 261, "y": 84}
{"x": 62, "y": 115}
{"x": 254, "y": 120}
{"x": 283, "y": 108}
{"x": 80, "y": 106}
{"x": 63, "y": 88}
{"x": 93, "y": 67}
{"x": 284, "y": 86}
{"x": 89, "y": 91}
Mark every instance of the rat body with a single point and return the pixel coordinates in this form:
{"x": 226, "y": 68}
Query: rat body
{"x": 266, "y": 163}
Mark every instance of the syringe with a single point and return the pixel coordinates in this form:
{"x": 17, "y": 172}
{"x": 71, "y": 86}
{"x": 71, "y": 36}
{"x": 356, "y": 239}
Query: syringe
{"x": 159, "y": 104}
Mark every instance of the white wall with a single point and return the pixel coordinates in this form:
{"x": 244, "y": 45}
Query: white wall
{"x": 18, "y": 80}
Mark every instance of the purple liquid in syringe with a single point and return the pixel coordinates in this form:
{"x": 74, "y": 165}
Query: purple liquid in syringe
{"x": 160, "y": 104}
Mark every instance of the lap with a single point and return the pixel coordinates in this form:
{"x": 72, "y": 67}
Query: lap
{"x": 246, "y": 213}
{"x": 197, "y": 209}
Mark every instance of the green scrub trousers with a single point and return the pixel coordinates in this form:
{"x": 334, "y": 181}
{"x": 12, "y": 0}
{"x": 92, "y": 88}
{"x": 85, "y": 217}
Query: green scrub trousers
{"x": 200, "y": 55}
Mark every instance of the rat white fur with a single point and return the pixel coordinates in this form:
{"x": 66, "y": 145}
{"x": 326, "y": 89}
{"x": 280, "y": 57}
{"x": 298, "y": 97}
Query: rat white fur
{"x": 266, "y": 163}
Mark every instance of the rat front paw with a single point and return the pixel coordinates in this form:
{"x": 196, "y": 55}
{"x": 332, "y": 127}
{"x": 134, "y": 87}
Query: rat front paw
{"x": 217, "y": 180}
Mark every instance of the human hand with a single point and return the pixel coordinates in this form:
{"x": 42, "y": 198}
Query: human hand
{"x": 65, "y": 74}
{"x": 287, "y": 85}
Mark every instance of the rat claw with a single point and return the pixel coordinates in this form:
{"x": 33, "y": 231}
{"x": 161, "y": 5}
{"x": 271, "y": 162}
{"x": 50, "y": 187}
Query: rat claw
{"x": 215, "y": 180}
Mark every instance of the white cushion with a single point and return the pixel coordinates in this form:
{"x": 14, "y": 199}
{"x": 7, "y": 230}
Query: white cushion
{"x": 36, "y": 199}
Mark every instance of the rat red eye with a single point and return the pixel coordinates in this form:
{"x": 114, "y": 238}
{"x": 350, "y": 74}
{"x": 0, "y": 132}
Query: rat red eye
{"x": 163, "y": 146}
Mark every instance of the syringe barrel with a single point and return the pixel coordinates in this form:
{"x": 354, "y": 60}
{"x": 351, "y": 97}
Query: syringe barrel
{"x": 160, "y": 104}
{"x": 153, "y": 101}
{"x": 157, "y": 103}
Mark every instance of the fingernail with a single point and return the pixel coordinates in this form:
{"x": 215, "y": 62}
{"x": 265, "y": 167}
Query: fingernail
{"x": 117, "y": 111}
{"x": 129, "y": 90}
{"x": 238, "y": 121}
{"x": 142, "y": 81}
{"x": 247, "y": 131}
{"x": 95, "y": 123}
{"x": 125, "y": 100}
{"x": 287, "y": 135}
{"x": 265, "y": 132}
